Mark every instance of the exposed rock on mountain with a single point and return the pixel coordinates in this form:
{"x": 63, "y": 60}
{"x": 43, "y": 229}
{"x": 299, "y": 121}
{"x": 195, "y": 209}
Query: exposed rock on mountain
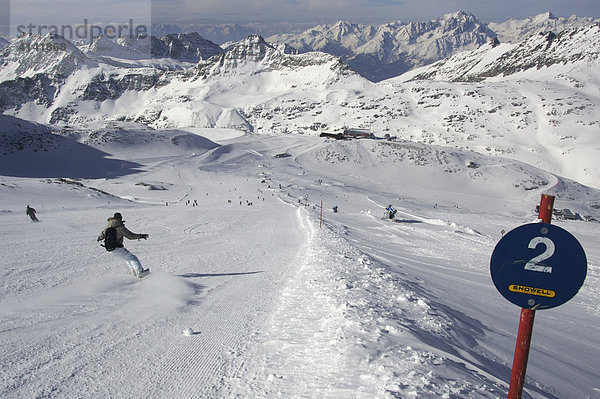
{"x": 263, "y": 57}
{"x": 189, "y": 47}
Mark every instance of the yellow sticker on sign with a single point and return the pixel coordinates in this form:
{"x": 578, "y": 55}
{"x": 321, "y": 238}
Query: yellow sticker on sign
{"x": 531, "y": 291}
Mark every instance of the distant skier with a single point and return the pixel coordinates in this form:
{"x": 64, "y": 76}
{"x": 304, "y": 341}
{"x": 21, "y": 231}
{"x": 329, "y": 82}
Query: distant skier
{"x": 113, "y": 236}
{"x": 31, "y": 213}
{"x": 335, "y": 209}
{"x": 391, "y": 212}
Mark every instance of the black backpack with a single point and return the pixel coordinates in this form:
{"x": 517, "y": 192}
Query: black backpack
{"x": 110, "y": 239}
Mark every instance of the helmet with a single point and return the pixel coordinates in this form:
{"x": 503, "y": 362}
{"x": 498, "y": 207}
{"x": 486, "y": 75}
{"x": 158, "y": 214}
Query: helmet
{"x": 118, "y": 216}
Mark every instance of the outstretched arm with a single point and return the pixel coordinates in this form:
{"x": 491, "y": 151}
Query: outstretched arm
{"x": 132, "y": 236}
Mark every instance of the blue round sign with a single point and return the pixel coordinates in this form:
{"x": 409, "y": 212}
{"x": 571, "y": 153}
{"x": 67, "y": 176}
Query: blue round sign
{"x": 538, "y": 266}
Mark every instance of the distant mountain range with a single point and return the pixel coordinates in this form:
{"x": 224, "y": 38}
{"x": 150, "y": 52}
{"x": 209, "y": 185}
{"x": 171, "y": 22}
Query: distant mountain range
{"x": 378, "y": 52}
{"x": 534, "y": 100}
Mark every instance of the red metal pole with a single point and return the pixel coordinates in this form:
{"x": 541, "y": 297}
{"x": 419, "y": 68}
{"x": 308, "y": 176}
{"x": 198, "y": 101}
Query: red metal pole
{"x": 517, "y": 378}
{"x": 546, "y": 205}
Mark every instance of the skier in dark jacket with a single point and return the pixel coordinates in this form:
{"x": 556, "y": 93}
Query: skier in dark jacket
{"x": 31, "y": 213}
{"x": 391, "y": 212}
{"x": 132, "y": 261}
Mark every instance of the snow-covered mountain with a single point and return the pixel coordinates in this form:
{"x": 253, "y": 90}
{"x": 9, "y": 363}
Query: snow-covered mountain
{"x": 50, "y": 55}
{"x": 379, "y": 52}
{"x": 30, "y": 149}
{"x": 516, "y": 30}
{"x": 254, "y": 55}
{"x": 523, "y": 101}
{"x": 221, "y": 33}
{"x": 188, "y": 47}
{"x": 171, "y": 99}
{"x": 575, "y": 47}
{"x": 122, "y": 48}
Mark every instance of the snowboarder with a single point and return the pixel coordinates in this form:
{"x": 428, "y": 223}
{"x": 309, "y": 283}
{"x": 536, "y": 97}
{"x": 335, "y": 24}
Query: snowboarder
{"x": 31, "y": 213}
{"x": 119, "y": 250}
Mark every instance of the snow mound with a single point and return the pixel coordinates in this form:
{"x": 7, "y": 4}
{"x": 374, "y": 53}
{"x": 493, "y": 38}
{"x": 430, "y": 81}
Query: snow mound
{"x": 31, "y": 150}
{"x": 123, "y": 138}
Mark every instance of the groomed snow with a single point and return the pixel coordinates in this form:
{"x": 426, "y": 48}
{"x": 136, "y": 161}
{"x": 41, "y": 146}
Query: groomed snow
{"x": 251, "y": 295}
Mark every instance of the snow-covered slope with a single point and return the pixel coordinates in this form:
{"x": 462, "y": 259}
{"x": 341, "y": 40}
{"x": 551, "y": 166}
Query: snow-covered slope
{"x": 272, "y": 305}
{"x": 572, "y": 47}
{"x": 33, "y": 150}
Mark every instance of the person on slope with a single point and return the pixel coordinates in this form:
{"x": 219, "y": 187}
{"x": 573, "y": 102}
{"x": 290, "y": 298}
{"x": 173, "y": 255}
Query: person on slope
{"x": 391, "y": 212}
{"x": 31, "y": 213}
{"x": 120, "y": 251}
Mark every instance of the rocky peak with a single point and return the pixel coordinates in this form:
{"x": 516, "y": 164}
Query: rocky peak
{"x": 459, "y": 17}
{"x": 543, "y": 17}
{"x": 33, "y": 54}
{"x": 123, "y": 47}
{"x": 253, "y": 48}
{"x": 253, "y": 55}
{"x": 462, "y": 22}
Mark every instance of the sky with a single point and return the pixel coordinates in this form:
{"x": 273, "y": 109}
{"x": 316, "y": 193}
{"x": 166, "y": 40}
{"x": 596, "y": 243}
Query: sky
{"x": 375, "y": 10}
{"x": 60, "y": 12}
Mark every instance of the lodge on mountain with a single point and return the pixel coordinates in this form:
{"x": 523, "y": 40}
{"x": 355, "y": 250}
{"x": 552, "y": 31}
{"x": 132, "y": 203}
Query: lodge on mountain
{"x": 350, "y": 134}
{"x": 357, "y": 134}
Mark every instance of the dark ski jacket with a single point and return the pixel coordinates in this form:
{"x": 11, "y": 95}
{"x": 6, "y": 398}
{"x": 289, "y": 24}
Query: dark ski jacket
{"x": 122, "y": 232}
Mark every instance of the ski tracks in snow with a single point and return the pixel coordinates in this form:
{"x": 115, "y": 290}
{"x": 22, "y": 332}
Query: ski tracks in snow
{"x": 346, "y": 327}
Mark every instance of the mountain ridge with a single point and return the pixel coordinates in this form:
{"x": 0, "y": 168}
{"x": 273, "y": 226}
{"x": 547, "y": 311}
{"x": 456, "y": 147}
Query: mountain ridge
{"x": 493, "y": 60}
{"x": 384, "y": 51}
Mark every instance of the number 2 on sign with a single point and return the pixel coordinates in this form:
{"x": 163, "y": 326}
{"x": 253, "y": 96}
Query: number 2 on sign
{"x": 535, "y": 263}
